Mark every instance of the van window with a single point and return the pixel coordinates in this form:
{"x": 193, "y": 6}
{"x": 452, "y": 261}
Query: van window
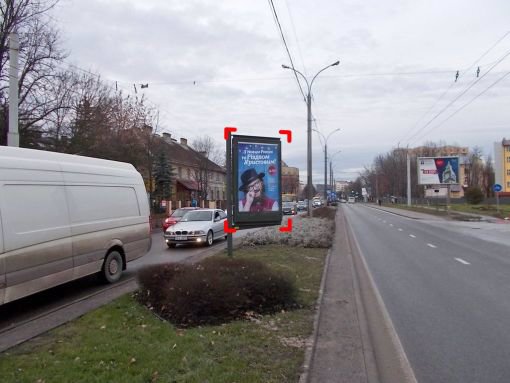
{"x": 97, "y": 203}
{"x": 33, "y": 214}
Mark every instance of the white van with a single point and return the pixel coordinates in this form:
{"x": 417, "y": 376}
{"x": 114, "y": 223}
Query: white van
{"x": 351, "y": 200}
{"x": 63, "y": 217}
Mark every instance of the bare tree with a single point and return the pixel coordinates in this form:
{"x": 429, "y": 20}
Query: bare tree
{"x": 474, "y": 167}
{"x": 488, "y": 177}
{"x": 39, "y": 54}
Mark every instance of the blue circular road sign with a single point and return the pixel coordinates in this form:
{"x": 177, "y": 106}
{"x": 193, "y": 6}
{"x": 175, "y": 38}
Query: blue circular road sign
{"x": 497, "y": 188}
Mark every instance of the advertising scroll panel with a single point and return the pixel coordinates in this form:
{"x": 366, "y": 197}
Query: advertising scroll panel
{"x": 257, "y": 181}
{"x": 438, "y": 170}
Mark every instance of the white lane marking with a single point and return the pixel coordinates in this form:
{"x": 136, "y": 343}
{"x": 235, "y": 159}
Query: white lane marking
{"x": 384, "y": 221}
{"x": 391, "y": 224}
{"x": 431, "y": 245}
{"x": 462, "y": 261}
{"x": 412, "y": 236}
{"x": 399, "y": 229}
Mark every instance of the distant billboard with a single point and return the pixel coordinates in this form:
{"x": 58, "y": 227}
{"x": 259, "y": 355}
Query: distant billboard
{"x": 438, "y": 170}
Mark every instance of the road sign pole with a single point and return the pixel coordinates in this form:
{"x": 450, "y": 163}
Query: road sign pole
{"x": 497, "y": 202}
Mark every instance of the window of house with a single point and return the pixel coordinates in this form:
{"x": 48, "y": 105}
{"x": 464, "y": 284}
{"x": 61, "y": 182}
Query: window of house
{"x": 180, "y": 172}
{"x": 189, "y": 174}
{"x": 508, "y": 172}
{"x": 507, "y": 148}
{"x": 508, "y": 184}
{"x": 217, "y": 177}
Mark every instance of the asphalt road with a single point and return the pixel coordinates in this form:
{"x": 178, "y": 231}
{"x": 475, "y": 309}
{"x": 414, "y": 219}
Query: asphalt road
{"x": 447, "y": 292}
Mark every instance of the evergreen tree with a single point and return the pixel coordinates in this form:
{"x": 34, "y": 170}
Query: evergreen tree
{"x": 163, "y": 177}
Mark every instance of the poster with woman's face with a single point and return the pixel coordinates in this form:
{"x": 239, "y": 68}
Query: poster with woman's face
{"x": 258, "y": 177}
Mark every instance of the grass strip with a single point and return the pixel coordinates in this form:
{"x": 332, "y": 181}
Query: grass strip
{"x": 125, "y": 342}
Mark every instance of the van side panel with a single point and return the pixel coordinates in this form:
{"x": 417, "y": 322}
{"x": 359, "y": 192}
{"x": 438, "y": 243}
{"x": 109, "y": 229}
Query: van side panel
{"x": 103, "y": 216}
{"x": 37, "y": 241}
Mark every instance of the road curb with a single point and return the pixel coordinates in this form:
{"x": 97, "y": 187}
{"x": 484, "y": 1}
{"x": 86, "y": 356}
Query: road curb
{"x": 312, "y": 340}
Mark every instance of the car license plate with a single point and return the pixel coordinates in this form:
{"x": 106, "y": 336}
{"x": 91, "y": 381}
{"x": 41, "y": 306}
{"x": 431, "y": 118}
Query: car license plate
{"x": 181, "y": 238}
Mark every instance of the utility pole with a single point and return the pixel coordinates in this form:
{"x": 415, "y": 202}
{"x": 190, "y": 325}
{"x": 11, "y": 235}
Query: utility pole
{"x": 326, "y": 173}
{"x": 13, "y": 134}
{"x": 309, "y": 184}
{"x": 408, "y": 177}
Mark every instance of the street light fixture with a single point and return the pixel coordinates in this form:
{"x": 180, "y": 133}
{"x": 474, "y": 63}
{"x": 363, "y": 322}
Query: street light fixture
{"x": 326, "y": 159}
{"x": 309, "y": 130}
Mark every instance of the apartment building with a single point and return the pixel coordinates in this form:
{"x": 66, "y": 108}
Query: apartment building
{"x": 502, "y": 164}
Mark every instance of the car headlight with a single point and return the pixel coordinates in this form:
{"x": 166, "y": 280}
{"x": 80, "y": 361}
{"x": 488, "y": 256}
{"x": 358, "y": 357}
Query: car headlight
{"x": 199, "y": 232}
{"x": 170, "y": 232}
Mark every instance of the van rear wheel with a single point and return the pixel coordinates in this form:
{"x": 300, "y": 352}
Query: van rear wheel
{"x": 112, "y": 267}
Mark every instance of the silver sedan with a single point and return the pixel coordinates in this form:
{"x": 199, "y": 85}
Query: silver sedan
{"x": 197, "y": 227}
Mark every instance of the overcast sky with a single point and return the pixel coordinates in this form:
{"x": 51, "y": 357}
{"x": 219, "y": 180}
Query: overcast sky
{"x": 211, "y": 64}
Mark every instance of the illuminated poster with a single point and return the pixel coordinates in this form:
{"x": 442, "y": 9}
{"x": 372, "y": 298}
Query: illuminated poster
{"x": 257, "y": 180}
{"x": 438, "y": 170}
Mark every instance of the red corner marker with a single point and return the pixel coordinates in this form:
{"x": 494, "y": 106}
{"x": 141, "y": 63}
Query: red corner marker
{"x": 227, "y": 229}
{"x": 289, "y": 226}
{"x": 288, "y": 133}
{"x": 227, "y": 130}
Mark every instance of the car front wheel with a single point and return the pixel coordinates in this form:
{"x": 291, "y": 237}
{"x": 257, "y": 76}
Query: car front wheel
{"x": 210, "y": 239}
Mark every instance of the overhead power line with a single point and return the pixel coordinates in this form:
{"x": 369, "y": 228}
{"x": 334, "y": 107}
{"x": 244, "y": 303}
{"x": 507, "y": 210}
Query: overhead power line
{"x": 453, "y": 83}
{"x": 467, "y": 103}
{"x": 460, "y": 95}
{"x": 277, "y": 21}
{"x": 296, "y": 37}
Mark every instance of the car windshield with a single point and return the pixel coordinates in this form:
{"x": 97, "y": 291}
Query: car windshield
{"x": 197, "y": 216}
{"x": 179, "y": 213}
{"x": 288, "y": 204}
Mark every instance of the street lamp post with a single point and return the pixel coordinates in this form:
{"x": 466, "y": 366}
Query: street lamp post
{"x": 326, "y": 160}
{"x": 309, "y": 130}
{"x": 331, "y": 179}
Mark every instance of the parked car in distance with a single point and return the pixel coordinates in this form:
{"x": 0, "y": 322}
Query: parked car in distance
{"x": 316, "y": 202}
{"x": 197, "y": 227}
{"x": 301, "y": 206}
{"x": 289, "y": 208}
{"x": 176, "y": 216}
{"x": 351, "y": 200}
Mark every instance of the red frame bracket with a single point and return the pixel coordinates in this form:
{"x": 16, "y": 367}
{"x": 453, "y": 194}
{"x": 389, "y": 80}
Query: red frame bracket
{"x": 227, "y": 228}
{"x": 287, "y": 228}
{"x": 227, "y": 130}
{"x": 288, "y": 133}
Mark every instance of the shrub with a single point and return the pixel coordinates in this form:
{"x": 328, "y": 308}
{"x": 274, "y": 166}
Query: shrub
{"x": 324, "y": 212}
{"x": 474, "y": 195}
{"x": 214, "y": 290}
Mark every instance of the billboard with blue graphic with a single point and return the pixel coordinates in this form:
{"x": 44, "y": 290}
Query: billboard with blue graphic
{"x": 257, "y": 180}
{"x": 438, "y": 170}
